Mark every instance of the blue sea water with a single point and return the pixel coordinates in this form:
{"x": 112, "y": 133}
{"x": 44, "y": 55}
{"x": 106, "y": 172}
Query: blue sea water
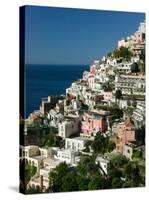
{"x": 45, "y": 80}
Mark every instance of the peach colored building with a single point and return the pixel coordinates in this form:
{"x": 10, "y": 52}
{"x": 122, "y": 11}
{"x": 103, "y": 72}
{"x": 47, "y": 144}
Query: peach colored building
{"x": 94, "y": 121}
{"x": 107, "y": 96}
{"x": 125, "y": 134}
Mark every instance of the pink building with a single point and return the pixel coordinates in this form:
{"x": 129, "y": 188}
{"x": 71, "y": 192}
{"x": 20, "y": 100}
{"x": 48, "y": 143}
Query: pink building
{"x": 94, "y": 121}
{"x": 93, "y": 69}
{"x": 125, "y": 134}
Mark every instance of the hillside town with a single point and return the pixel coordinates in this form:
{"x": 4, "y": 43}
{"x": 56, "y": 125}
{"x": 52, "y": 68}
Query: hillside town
{"x": 93, "y": 136}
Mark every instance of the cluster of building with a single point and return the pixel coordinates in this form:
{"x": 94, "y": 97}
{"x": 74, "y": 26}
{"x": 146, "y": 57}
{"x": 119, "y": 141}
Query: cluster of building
{"x": 78, "y": 116}
{"x": 135, "y": 42}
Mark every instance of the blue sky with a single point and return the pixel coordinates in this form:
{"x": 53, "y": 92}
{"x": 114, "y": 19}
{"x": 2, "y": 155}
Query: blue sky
{"x": 74, "y": 36}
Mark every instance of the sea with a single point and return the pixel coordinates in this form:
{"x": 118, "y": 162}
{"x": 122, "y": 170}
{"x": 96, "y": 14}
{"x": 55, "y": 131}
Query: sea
{"x": 42, "y": 81}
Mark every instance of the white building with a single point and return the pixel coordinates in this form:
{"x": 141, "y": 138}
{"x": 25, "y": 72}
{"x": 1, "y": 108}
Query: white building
{"x": 139, "y": 113}
{"x": 112, "y": 62}
{"x": 124, "y": 67}
{"x": 128, "y": 151}
{"x": 69, "y": 126}
{"x": 123, "y": 103}
{"x": 76, "y": 143}
{"x": 34, "y": 155}
{"x": 135, "y": 42}
{"x": 54, "y": 118}
{"x": 85, "y": 75}
{"x": 103, "y": 162}
{"x": 41, "y": 179}
{"x": 67, "y": 155}
{"x": 129, "y": 84}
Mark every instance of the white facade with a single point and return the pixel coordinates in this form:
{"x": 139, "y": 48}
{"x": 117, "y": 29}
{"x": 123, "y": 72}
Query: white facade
{"x": 103, "y": 162}
{"x": 124, "y": 67}
{"x": 139, "y": 112}
{"x": 85, "y": 75}
{"x": 123, "y": 104}
{"x": 91, "y": 82}
{"x": 33, "y": 155}
{"x": 41, "y": 179}
{"x": 67, "y": 155}
{"x": 54, "y": 118}
{"x": 76, "y": 143}
{"x": 130, "y": 84}
{"x": 128, "y": 151}
{"x": 112, "y": 62}
{"x": 68, "y": 127}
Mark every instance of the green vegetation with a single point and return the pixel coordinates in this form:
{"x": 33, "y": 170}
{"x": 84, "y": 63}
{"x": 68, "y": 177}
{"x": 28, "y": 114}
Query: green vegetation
{"x": 116, "y": 112}
{"x": 142, "y": 56}
{"x": 87, "y": 175}
{"x": 135, "y": 68}
{"x": 111, "y": 145}
{"x": 142, "y": 67}
{"x": 132, "y": 174}
{"x": 108, "y": 87}
{"x": 57, "y": 178}
{"x": 84, "y": 106}
{"x": 27, "y": 171}
{"x": 140, "y": 135}
{"x": 137, "y": 154}
{"x": 124, "y": 173}
{"x": 53, "y": 140}
{"x": 102, "y": 144}
{"x": 30, "y": 171}
{"x": 32, "y": 190}
{"x": 118, "y": 94}
{"x": 88, "y": 146}
{"x": 122, "y": 52}
{"x": 109, "y": 54}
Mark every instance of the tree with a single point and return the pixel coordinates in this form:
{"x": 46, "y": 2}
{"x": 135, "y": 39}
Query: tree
{"x": 82, "y": 182}
{"x": 70, "y": 182}
{"x": 118, "y": 94}
{"x": 140, "y": 135}
{"x": 97, "y": 182}
{"x": 88, "y": 146}
{"x": 118, "y": 161}
{"x": 116, "y": 182}
{"x": 137, "y": 154}
{"x": 100, "y": 143}
{"x": 108, "y": 87}
{"x": 56, "y": 177}
{"x": 142, "y": 67}
{"x": 30, "y": 171}
{"x": 27, "y": 171}
{"x": 131, "y": 172}
{"x": 142, "y": 56}
{"x": 111, "y": 145}
{"x": 53, "y": 140}
{"x": 32, "y": 190}
{"x": 135, "y": 67}
{"x": 87, "y": 166}
{"x": 84, "y": 106}
{"x": 109, "y": 54}
{"x": 122, "y": 52}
